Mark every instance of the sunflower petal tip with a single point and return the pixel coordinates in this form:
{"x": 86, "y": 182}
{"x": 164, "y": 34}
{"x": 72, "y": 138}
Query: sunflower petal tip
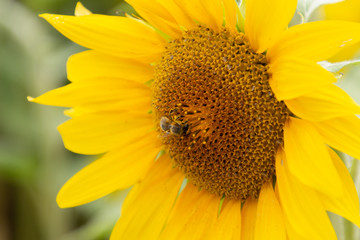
{"x": 51, "y": 18}
{"x": 60, "y": 204}
{"x": 80, "y": 10}
{"x": 63, "y": 200}
{"x": 36, "y": 99}
{"x": 69, "y": 112}
{"x": 45, "y": 15}
{"x": 59, "y": 200}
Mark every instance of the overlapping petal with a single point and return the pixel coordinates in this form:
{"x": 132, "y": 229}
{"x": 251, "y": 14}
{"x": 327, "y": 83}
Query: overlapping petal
{"x": 192, "y": 215}
{"x": 231, "y": 10}
{"x": 94, "y": 64}
{"x": 347, "y": 205}
{"x": 120, "y": 168}
{"x": 228, "y": 224}
{"x": 149, "y": 203}
{"x": 341, "y": 133}
{"x": 206, "y": 12}
{"x": 315, "y": 41}
{"x": 308, "y": 159}
{"x": 113, "y": 35}
{"x": 179, "y": 14}
{"x": 99, "y": 132}
{"x": 291, "y": 77}
{"x": 302, "y": 207}
{"x": 100, "y": 94}
{"x": 157, "y": 16}
{"x": 248, "y": 217}
{"x": 269, "y": 219}
{"x": 325, "y": 103}
{"x": 266, "y": 20}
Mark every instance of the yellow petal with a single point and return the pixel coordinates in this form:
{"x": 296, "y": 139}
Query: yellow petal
{"x": 292, "y": 77}
{"x": 315, "y": 41}
{"x": 327, "y": 102}
{"x": 347, "y": 205}
{"x": 269, "y": 221}
{"x": 301, "y": 205}
{"x": 77, "y": 111}
{"x": 342, "y": 134}
{"x": 178, "y": 13}
{"x": 308, "y": 158}
{"x": 266, "y": 20}
{"x": 80, "y": 10}
{"x": 248, "y": 217}
{"x": 346, "y": 10}
{"x": 209, "y": 13}
{"x": 114, "y": 35}
{"x": 157, "y": 16}
{"x": 228, "y": 224}
{"x": 100, "y": 132}
{"x": 291, "y": 234}
{"x": 93, "y": 64}
{"x": 100, "y": 94}
{"x": 231, "y": 9}
{"x": 346, "y": 53}
{"x": 193, "y": 213}
{"x": 150, "y": 203}
{"x": 118, "y": 169}
{"x": 349, "y": 11}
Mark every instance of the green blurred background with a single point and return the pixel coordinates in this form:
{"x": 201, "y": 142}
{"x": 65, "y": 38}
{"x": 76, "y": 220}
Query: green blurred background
{"x": 33, "y": 162}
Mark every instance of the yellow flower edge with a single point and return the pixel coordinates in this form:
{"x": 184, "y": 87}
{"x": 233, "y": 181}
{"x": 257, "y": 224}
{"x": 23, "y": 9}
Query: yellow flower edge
{"x": 110, "y": 99}
{"x": 349, "y": 11}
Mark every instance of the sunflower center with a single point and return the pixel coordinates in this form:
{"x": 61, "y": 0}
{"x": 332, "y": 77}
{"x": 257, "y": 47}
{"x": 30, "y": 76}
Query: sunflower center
{"x": 216, "y": 113}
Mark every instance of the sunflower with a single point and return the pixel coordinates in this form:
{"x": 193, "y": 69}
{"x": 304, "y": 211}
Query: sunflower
{"x": 225, "y": 126}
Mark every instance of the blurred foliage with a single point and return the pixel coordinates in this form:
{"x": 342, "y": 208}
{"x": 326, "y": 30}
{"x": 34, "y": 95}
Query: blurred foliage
{"x": 33, "y": 162}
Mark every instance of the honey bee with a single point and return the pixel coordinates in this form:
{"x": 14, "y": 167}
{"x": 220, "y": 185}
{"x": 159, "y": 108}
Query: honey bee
{"x": 172, "y": 127}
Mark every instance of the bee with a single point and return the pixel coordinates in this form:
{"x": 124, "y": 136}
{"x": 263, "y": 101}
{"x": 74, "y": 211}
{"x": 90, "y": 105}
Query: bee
{"x": 172, "y": 127}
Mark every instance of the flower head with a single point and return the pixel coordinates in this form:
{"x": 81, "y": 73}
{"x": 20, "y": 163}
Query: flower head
{"x": 246, "y": 118}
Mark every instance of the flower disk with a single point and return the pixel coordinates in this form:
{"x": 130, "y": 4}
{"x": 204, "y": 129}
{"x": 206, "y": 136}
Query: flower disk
{"x": 216, "y": 113}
